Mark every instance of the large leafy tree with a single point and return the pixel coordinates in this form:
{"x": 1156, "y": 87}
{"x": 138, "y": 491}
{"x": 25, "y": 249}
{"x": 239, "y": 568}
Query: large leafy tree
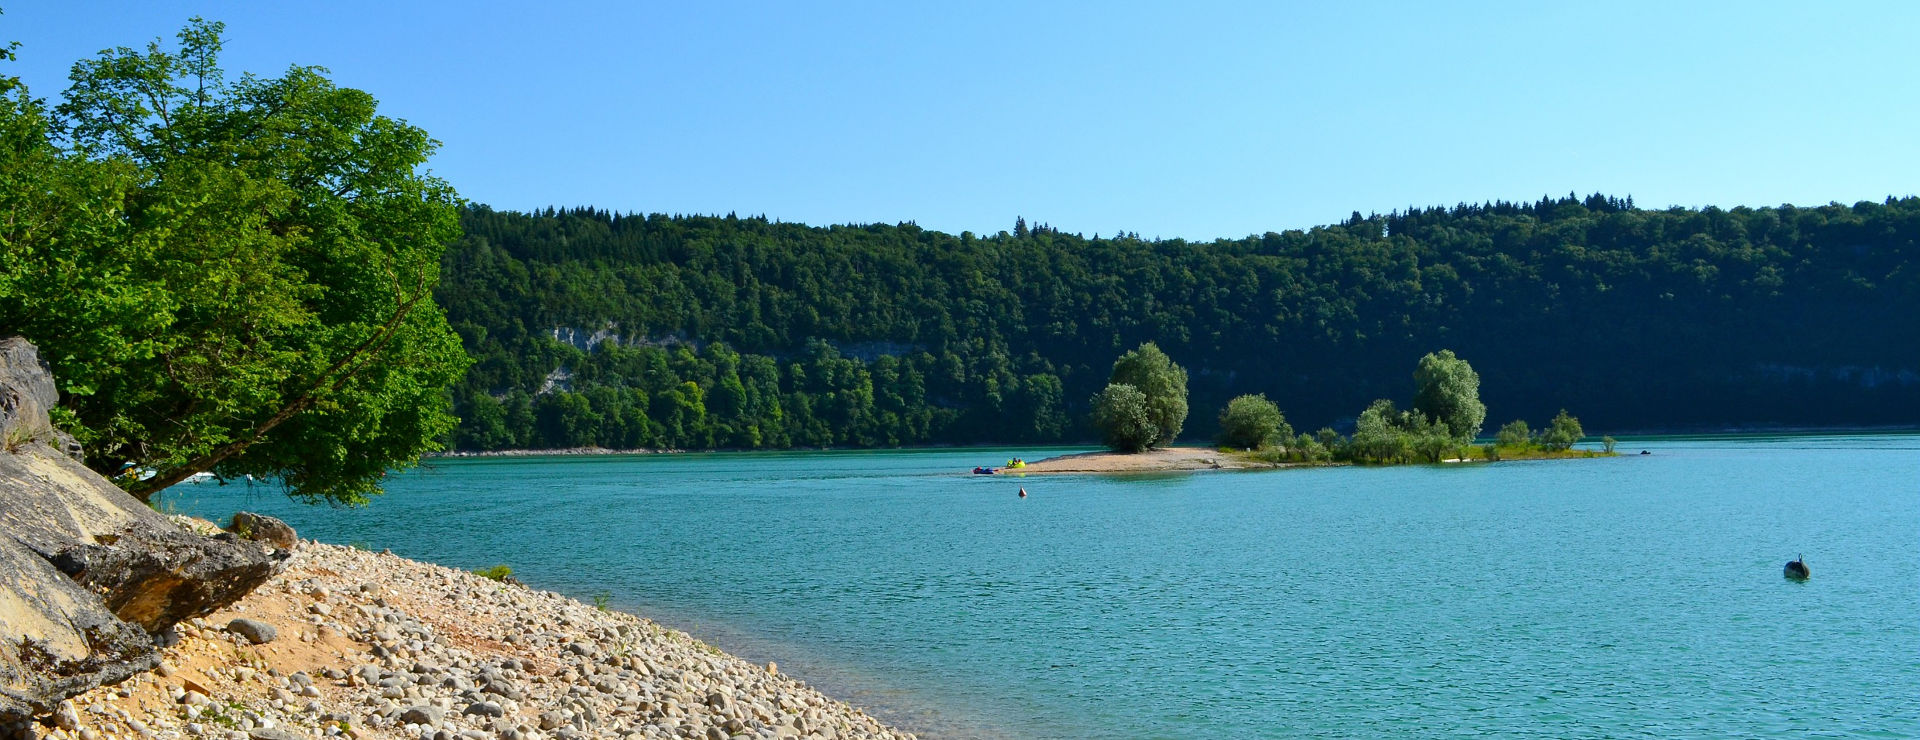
{"x": 1162, "y": 382}
{"x": 1123, "y": 418}
{"x": 1449, "y": 393}
{"x": 231, "y": 275}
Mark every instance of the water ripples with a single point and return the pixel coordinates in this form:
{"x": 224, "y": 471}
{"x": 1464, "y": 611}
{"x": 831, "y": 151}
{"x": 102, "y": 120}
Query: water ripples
{"x": 1637, "y": 596}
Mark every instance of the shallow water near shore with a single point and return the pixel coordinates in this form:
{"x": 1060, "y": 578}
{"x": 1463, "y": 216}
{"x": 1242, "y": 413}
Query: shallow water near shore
{"x": 1639, "y": 595}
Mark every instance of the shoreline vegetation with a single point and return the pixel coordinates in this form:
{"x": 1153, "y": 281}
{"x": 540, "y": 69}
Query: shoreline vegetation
{"x": 365, "y": 645}
{"x": 1144, "y": 407}
{"x": 1194, "y": 459}
{"x": 1623, "y": 437}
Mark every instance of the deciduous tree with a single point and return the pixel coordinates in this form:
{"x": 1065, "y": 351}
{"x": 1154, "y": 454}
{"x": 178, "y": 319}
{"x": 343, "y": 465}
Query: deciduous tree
{"x": 1122, "y": 415}
{"x": 1163, "y": 383}
{"x": 1449, "y": 392}
{"x": 232, "y": 275}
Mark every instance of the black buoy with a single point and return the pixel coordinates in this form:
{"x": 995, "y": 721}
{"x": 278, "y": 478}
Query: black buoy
{"x": 1797, "y": 568}
{"x": 1023, "y": 493}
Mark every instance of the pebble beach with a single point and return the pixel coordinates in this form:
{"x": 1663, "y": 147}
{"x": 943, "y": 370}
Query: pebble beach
{"x": 356, "y": 644}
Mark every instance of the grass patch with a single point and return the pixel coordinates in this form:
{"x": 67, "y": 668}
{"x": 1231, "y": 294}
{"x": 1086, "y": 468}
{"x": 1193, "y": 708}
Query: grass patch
{"x": 495, "y": 573}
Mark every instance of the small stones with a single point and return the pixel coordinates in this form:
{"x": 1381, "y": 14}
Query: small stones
{"x": 412, "y": 652}
{"x": 255, "y": 631}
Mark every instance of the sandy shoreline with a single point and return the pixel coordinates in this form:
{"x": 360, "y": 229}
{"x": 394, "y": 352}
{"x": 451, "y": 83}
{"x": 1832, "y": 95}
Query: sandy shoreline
{"x": 373, "y": 645}
{"x": 1165, "y": 459}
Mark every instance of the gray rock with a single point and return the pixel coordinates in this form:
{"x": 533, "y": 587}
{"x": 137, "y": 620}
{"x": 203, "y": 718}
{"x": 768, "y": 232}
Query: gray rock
{"x": 93, "y": 578}
{"x": 27, "y": 392}
{"x": 485, "y": 709}
{"x": 263, "y": 528}
{"x": 430, "y": 716}
{"x": 256, "y": 632}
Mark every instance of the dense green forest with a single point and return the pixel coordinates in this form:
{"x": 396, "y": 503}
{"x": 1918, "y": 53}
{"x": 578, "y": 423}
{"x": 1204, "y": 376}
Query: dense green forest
{"x": 596, "y": 328}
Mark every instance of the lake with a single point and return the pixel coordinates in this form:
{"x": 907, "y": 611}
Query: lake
{"x": 1639, "y": 595}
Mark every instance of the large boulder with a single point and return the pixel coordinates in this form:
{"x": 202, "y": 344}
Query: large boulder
{"x": 88, "y": 574}
{"x": 263, "y": 528}
{"x": 56, "y": 639}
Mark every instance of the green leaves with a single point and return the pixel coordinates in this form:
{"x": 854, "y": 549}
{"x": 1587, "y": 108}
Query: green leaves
{"x": 1449, "y": 392}
{"x": 1122, "y": 414}
{"x": 1252, "y": 422}
{"x": 1562, "y": 432}
{"x": 234, "y": 275}
{"x": 1163, "y": 383}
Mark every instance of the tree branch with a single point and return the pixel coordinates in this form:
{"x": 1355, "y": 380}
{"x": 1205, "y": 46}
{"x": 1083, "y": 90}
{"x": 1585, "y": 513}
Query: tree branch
{"x": 368, "y": 349}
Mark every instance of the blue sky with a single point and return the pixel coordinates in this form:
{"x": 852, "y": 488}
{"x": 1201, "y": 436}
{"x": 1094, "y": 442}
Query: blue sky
{"x": 1194, "y": 119}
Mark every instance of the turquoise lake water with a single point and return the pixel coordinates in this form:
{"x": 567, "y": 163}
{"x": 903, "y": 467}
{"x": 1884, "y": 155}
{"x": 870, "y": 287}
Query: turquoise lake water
{"x": 1634, "y": 596}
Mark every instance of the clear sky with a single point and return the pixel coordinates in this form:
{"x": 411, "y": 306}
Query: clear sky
{"x": 1187, "y": 119}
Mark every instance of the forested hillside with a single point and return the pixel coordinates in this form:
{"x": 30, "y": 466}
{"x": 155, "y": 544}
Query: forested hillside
{"x": 698, "y": 332}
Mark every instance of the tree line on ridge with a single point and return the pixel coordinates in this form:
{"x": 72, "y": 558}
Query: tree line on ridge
{"x": 744, "y": 332}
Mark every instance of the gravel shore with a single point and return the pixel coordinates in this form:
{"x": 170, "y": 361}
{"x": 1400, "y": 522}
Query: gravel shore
{"x": 369, "y": 645}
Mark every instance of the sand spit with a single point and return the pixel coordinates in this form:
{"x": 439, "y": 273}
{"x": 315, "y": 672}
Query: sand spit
{"x": 1151, "y": 461}
{"x": 369, "y": 645}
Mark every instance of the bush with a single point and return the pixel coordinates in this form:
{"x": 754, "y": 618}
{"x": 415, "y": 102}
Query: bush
{"x": 495, "y": 573}
{"x": 1431, "y": 439}
{"x": 1253, "y": 422}
{"x": 1514, "y": 434}
{"x": 1563, "y": 432}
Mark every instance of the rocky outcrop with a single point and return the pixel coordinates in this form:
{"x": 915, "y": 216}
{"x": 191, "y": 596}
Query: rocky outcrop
{"x": 89, "y": 576}
{"x": 27, "y": 392}
{"x": 58, "y": 640}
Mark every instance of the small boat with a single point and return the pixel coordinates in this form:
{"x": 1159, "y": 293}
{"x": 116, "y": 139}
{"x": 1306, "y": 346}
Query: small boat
{"x": 1016, "y": 463}
{"x": 984, "y": 471}
{"x": 1797, "y": 569}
